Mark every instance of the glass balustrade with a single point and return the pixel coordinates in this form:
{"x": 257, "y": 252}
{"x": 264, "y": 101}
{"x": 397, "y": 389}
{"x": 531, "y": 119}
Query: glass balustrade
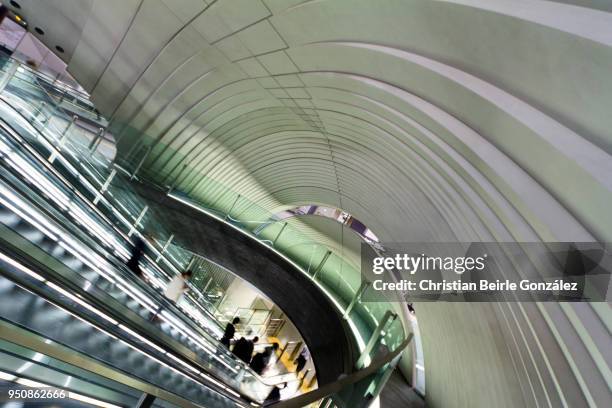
{"x": 63, "y": 198}
{"x": 108, "y": 277}
{"x": 38, "y": 109}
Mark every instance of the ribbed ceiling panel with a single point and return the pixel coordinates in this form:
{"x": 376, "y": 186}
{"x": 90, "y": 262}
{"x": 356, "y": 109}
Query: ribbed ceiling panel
{"x": 426, "y": 120}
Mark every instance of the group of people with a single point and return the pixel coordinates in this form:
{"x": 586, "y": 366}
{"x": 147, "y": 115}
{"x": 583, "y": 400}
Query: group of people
{"x": 243, "y": 348}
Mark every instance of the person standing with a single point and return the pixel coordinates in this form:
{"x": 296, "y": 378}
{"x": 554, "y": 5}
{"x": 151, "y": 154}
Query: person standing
{"x": 301, "y": 362}
{"x": 230, "y": 330}
{"x": 240, "y": 347}
{"x": 243, "y": 349}
{"x": 248, "y": 349}
{"x": 260, "y": 361}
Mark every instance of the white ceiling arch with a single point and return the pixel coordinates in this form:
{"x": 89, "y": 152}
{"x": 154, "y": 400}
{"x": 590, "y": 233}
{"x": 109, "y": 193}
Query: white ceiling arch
{"x": 426, "y": 120}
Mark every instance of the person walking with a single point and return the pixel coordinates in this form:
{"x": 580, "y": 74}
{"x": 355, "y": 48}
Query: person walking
{"x": 239, "y": 348}
{"x": 300, "y": 361}
{"x": 243, "y": 349}
{"x": 174, "y": 291}
{"x": 248, "y": 350}
{"x": 136, "y": 254}
{"x": 178, "y": 286}
{"x": 261, "y": 360}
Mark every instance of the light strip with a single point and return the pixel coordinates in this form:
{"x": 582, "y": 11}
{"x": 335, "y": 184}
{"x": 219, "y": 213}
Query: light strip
{"x": 35, "y": 177}
{"x": 38, "y": 179}
{"x": 22, "y": 268}
{"x": 139, "y": 337}
{"x": 28, "y": 219}
{"x": 133, "y": 295}
{"x": 92, "y": 401}
{"x": 234, "y": 393}
{"x": 184, "y": 364}
{"x": 71, "y": 395}
{"x": 30, "y": 383}
{"x": 79, "y": 252}
{"x": 83, "y": 303}
{"x": 7, "y": 376}
{"x": 212, "y": 380}
{"x": 38, "y": 219}
{"x": 87, "y": 222}
{"x": 87, "y": 262}
{"x": 47, "y": 227}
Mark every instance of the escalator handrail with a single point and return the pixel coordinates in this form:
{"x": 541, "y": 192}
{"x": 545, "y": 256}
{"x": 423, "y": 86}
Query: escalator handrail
{"x": 104, "y": 302}
{"x": 160, "y": 298}
{"x": 91, "y": 206}
{"x": 75, "y": 286}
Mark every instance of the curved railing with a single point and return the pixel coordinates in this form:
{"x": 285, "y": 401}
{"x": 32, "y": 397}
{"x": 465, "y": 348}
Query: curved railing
{"x": 336, "y": 275}
{"x": 66, "y": 197}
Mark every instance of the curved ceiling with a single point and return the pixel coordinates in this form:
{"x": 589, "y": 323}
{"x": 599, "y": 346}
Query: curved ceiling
{"x": 427, "y": 120}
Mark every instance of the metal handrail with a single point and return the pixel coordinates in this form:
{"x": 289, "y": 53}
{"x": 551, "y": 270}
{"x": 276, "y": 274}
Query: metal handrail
{"x": 73, "y": 190}
{"x": 163, "y": 301}
{"x": 332, "y": 388}
{"x": 41, "y": 74}
{"x": 32, "y": 341}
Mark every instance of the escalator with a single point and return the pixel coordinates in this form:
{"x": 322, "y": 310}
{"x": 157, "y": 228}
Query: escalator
{"x": 88, "y": 272}
{"x": 101, "y": 294}
{"x": 28, "y": 305}
{"x": 68, "y": 304}
{"x": 22, "y": 369}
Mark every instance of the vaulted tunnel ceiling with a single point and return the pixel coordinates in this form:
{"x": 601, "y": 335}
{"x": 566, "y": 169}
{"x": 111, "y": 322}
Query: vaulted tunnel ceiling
{"x": 424, "y": 119}
{"x": 427, "y": 120}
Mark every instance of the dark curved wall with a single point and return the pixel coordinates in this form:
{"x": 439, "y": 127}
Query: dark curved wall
{"x": 321, "y": 326}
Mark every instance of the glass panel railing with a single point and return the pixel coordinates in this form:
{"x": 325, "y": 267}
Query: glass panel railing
{"x": 62, "y": 93}
{"x": 64, "y": 200}
{"x": 129, "y": 221}
{"x": 69, "y": 245}
{"x": 82, "y": 160}
{"x": 90, "y": 181}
